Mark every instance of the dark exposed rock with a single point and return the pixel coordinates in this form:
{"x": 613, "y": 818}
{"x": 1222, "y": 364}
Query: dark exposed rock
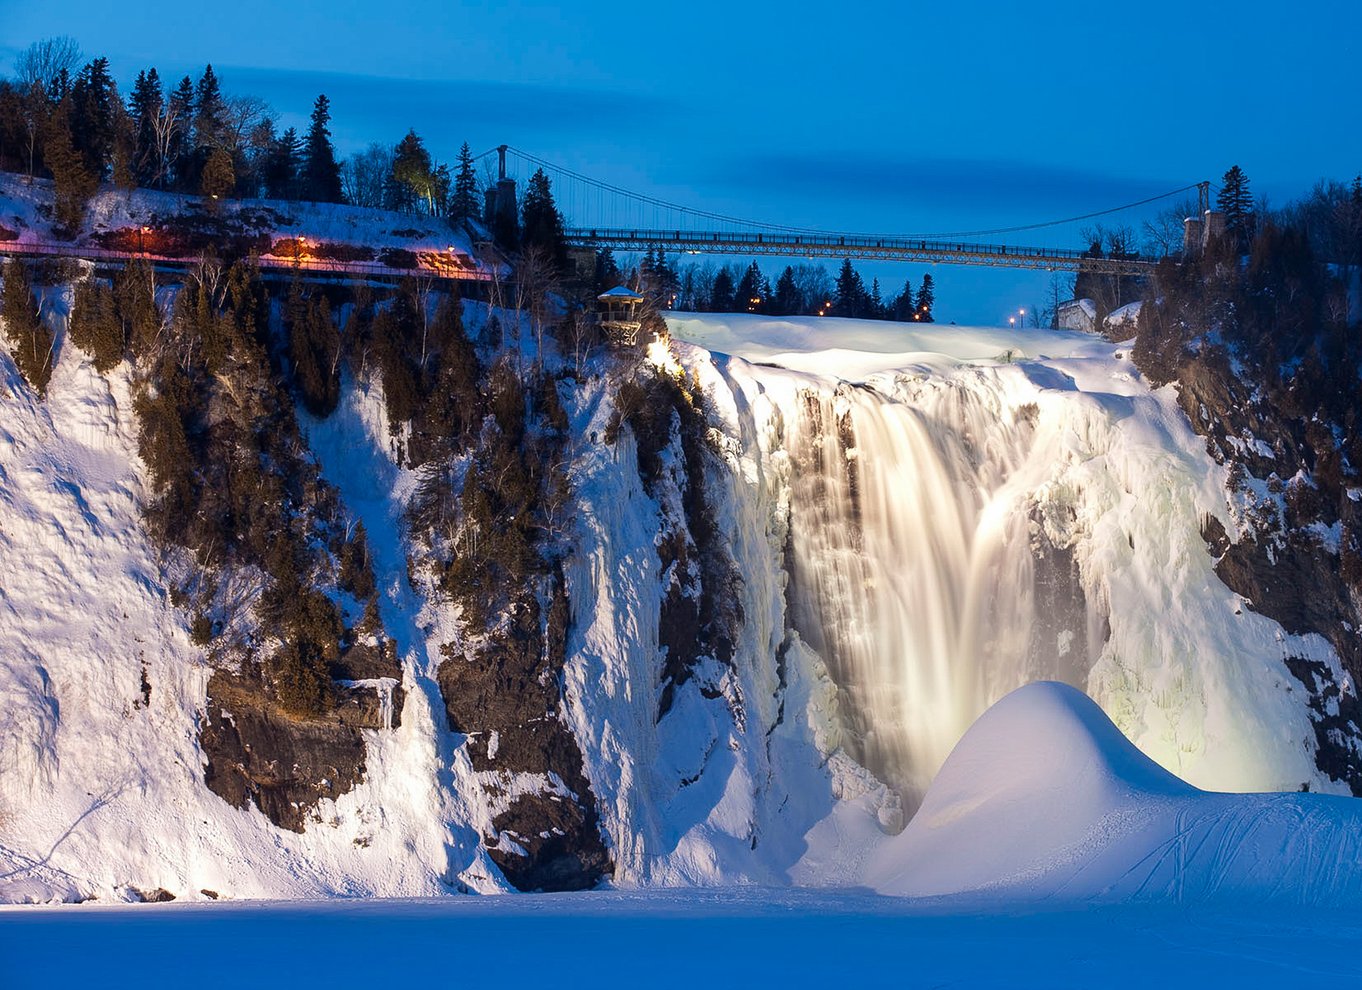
{"x": 257, "y": 753}
{"x": 1297, "y": 582}
{"x": 1066, "y": 636}
{"x": 1296, "y": 559}
{"x": 158, "y": 896}
{"x": 1337, "y": 716}
{"x": 507, "y": 699}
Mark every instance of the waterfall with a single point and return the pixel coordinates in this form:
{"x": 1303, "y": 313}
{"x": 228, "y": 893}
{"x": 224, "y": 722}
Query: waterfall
{"x": 916, "y": 566}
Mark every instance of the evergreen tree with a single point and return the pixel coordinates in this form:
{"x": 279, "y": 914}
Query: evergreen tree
{"x": 180, "y": 147}
{"x": 750, "y": 293}
{"x": 465, "y": 203}
{"x": 412, "y": 181}
{"x": 94, "y": 105}
{"x": 1355, "y": 208}
{"x": 905, "y": 305}
{"x": 441, "y": 189}
{"x": 875, "y": 305}
{"x": 218, "y": 176}
{"x": 72, "y": 180}
{"x": 145, "y": 107}
{"x": 124, "y": 161}
{"x": 1236, "y": 202}
{"x": 314, "y": 350}
{"x": 30, "y": 341}
{"x": 281, "y": 167}
{"x": 210, "y": 115}
{"x": 541, "y": 224}
{"x": 608, "y": 274}
{"x": 787, "y": 300}
{"x": 926, "y": 299}
{"x": 721, "y": 298}
{"x": 851, "y": 295}
{"x": 95, "y": 326}
{"x": 321, "y": 173}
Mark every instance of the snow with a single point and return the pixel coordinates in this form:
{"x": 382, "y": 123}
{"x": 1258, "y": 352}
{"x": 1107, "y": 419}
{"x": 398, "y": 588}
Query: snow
{"x": 1125, "y": 317}
{"x": 855, "y": 349}
{"x": 1067, "y": 438}
{"x": 1026, "y": 431}
{"x": 22, "y": 206}
{"x": 751, "y": 937}
{"x": 1079, "y": 813}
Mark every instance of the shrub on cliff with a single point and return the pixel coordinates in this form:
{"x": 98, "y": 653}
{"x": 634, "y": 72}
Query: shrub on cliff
{"x": 95, "y": 326}
{"x": 31, "y": 343}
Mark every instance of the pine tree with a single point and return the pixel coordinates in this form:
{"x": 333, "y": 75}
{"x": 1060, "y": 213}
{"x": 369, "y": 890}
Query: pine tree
{"x": 72, "y": 180}
{"x": 608, "y": 273}
{"x": 282, "y": 164}
{"x": 1236, "y": 202}
{"x": 180, "y": 149}
{"x": 541, "y": 224}
{"x": 749, "y": 293}
{"x": 786, "y": 301}
{"x": 411, "y": 180}
{"x": 95, "y": 326}
{"x": 135, "y": 294}
{"x": 926, "y": 299}
{"x": 321, "y": 173}
{"x": 721, "y": 298}
{"x": 94, "y": 106}
{"x": 218, "y": 177}
{"x": 905, "y": 305}
{"x": 30, "y": 341}
{"x": 145, "y": 107}
{"x": 210, "y": 115}
{"x": 851, "y": 295}
{"x": 465, "y": 203}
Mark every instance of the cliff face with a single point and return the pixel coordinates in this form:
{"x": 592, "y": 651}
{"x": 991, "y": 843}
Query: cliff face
{"x": 333, "y": 590}
{"x": 1289, "y": 439}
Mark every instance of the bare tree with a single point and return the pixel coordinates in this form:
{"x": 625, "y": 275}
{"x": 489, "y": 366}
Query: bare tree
{"x": 244, "y": 115}
{"x": 37, "y": 70}
{"x": 536, "y": 281}
{"x": 1163, "y": 233}
{"x": 364, "y": 174}
{"x": 43, "y": 62}
{"x": 815, "y": 286}
{"x": 166, "y": 126}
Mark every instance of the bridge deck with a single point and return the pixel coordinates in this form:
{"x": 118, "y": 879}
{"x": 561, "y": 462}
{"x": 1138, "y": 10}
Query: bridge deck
{"x": 860, "y": 248}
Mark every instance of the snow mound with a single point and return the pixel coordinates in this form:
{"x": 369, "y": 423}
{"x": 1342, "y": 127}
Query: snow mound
{"x": 1044, "y": 797}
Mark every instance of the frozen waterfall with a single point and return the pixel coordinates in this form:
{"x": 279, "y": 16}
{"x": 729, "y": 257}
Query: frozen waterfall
{"x": 913, "y": 567}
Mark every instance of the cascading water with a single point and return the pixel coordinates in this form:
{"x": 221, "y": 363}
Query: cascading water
{"x": 913, "y": 560}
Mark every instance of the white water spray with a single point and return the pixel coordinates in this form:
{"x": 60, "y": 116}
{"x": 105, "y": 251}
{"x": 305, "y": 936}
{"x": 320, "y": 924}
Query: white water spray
{"x": 915, "y": 563}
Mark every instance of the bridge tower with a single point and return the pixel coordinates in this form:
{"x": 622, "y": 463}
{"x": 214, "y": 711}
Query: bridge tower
{"x": 499, "y": 205}
{"x": 1199, "y": 230}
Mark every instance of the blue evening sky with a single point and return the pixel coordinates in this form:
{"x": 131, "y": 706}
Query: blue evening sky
{"x": 875, "y": 116}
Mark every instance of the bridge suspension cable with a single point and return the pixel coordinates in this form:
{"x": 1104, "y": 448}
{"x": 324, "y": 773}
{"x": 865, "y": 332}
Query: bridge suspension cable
{"x": 727, "y": 220}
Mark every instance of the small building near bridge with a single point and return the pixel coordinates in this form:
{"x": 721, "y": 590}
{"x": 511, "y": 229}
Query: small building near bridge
{"x": 619, "y": 315}
{"x": 1078, "y": 314}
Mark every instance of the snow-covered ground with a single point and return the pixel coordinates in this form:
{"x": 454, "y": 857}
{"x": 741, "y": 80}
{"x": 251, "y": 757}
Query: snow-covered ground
{"x": 755, "y": 937}
{"x": 143, "y": 221}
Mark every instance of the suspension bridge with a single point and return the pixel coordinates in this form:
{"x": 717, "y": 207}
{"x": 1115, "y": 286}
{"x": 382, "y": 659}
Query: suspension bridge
{"x": 602, "y": 215}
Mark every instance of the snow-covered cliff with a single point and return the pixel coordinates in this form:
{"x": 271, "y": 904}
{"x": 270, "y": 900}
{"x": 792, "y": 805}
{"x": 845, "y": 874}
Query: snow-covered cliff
{"x": 788, "y": 595}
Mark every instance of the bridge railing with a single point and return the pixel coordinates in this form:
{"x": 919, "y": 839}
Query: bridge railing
{"x": 858, "y": 246}
{"x": 312, "y": 265}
